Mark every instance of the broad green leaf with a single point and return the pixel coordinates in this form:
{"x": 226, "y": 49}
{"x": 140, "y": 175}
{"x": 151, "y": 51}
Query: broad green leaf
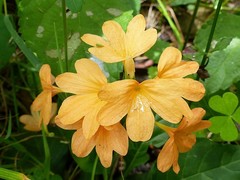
{"x": 207, "y": 160}
{"x": 225, "y": 126}
{"x": 225, "y": 105}
{"x": 6, "y": 47}
{"x": 41, "y": 26}
{"x": 114, "y": 70}
{"x": 74, "y": 5}
{"x": 223, "y": 67}
{"x": 226, "y": 27}
{"x": 137, "y": 155}
{"x": 86, "y": 163}
{"x": 236, "y": 115}
{"x": 156, "y": 50}
{"x": 124, "y": 19}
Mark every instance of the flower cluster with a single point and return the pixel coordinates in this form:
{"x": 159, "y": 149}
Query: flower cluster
{"x": 96, "y": 108}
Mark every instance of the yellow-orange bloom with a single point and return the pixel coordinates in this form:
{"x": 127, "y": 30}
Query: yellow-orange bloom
{"x": 119, "y": 46}
{"x": 43, "y": 101}
{"x": 163, "y": 95}
{"x": 106, "y": 140}
{"x": 34, "y": 121}
{"x": 181, "y": 140}
{"x": 85, "y": 85}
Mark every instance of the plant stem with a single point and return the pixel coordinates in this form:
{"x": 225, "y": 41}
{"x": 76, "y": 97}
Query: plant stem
{"x": 210, "y": 37}
{"x": 47, "y": 154}
{"x": 94, "y": 168}
{"x": 171, "y": 23}
{"x": 191, "y": 23}
{"x": 65, "y": 33}
{"x": 5, "y": 7}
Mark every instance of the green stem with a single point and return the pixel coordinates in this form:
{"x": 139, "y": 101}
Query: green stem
{"x": 65, "y": 32}
{"x": 205, "y": 57}
{"x": 171, "y": 23}
{"x": 105, "y": 174}
{"x": 94, "y": 168}
{"x": 47, "y": 154}
{"x": 5, "y": 7}
{"x": 191, "y": 23}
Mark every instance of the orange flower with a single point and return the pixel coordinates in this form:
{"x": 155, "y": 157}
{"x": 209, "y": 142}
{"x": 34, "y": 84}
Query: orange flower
{"x": 34, "y": 122}
{"x": 163, "y": 95}
{"x": 43, "y": 101}
{"x": 119, "y": 46}
{"x": 181, "y": 140}
{"x": 85, "y": 102}
{"x": 106, "y": 140}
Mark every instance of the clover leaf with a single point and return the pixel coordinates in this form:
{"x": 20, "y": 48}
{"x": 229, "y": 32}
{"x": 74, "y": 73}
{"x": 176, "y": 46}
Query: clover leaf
{"x": 224, "y": 124}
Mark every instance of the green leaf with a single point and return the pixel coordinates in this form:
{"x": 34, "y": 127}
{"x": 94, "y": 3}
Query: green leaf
{"x": 137, "y": 155}
{"x": 223, "y": 67}
{"x": 41, "y": 26}
{"x": 207, "y": 160}
{"x": 75, "y": 5}
{"x": 225, "y": 126}
{"x": 6, "y": 48}
{"x": 86, "y": 163}
{"x": 236, "y": 115}
{"x": 226, "y": 27}
{"x": 114, "y": 70}
{"x": 124, "y": 19}
{"x": 156, "y": 50}
{"x": 226, "y": 104}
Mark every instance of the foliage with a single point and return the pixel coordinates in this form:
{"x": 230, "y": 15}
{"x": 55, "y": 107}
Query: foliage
{"x": 49, "y": 32}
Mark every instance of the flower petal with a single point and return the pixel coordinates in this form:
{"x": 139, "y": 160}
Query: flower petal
{"x": 163, "y": 101}
{"x": 93, "y": 40}
{"x": 118, "y": 139}
{"x": 168, "y": 59}
{"x": 138, "y": 40}
{"x": 90, "y": 122}
{"x": 119, "y": 96}
{"x": 40, "y": 101}
{"x": 45, "y": 75}
{"x": 70, "y": 83}
{"x": 182, "y": 69}
{"x": 140, "y": 120}
{"x": 168, "y": 157}
{"x": 181, "y": 87}
{"x": 103, "y": 147}
{"x": 81, "y": 147}
{"x": 75, "y": 107}
{"x": 115, "y": 36}
{"x": 46, "y": 110}
{"x": 31, "y": 124}
{"x": 90, "y": 72}
{"x": 75, "y": 126}
{"x": 101, "y": 49}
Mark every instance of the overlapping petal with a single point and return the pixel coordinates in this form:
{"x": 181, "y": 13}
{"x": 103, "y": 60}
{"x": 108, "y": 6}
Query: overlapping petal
{"x": 120, "y": 46}
{"x": 119, "y": 95}
{"x": 75, "y": 108}
{"x": 106, "y": 141}
{"x": 85, "y": 104}
{"x": 181, "y": 140}
{"x": 168, "y": 157}
{"x": 34, "y": 121}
